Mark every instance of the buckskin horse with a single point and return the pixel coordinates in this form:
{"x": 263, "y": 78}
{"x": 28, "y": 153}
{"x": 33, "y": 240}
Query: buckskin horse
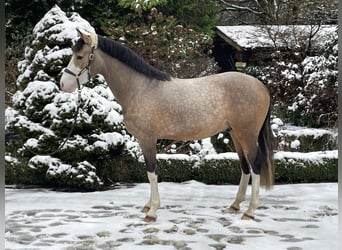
{"x": 158, "y": 106}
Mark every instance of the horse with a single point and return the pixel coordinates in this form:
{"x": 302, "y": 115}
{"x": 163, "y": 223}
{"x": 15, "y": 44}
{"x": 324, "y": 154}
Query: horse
{"x": 158, "y": 106}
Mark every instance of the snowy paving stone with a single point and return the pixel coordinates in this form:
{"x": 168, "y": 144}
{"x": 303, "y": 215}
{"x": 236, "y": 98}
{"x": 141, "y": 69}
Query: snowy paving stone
{"x": 218, "y": 246}
{"x": 189, "y": 231}
{"x": 128, "y": 205}
{"x": 132, "y": 216}
{"x": 126, "y": 240}
{"x": 42, "y": 215}
{"x": 85, "y": 237}
{"x": 109, "y": 245}
{"x": 255, "y": 231}
{"x": 150, "y": 240}
{"x": 178, "y": 221}
{"x": 106, "y": 215}
{"x": 291, "y": 208}
{"x": 42, "y": 244}
{"x": 217, "y": 237}
{"x": 292, "y": 240}
{"x": 166, "y": 242}
{"x": 225, "y": 222}
{"x": 107, "y": 207}
{"x": 26, "y": 239}
{"x": 310, "y": 226}
{"x": 36, "y": 229}
{"x": 278, "y": 206}
{"x": 294, "y": 248}
{"x": 202, "y": 230}
{"x": 136, "y": 225}
{"x": 151, "y": 230}
{"x": 126, "y": 230}
{"x": 103, "y": 234}
{"x": 235, "y": 229}
{"x": 287, "y": 236}
{"x": 235, "y": 239}
{"x": 271, "y": 232}
{"x": 173, "y": 229}
{"x": 55, "y": 224}
{"x": 169, "y": 207}
{"x": 58, "y": 235}
{"x": 179, "y": 244}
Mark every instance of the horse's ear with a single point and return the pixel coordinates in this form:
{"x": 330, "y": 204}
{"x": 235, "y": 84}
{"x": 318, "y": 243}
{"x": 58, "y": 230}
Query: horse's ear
{"x": 85, "y": 37}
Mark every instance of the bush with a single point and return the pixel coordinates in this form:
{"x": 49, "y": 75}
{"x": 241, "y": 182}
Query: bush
{"x": 303, "y": 87}
{"x": 42, "y": 116}
{"x": 163, "y": 43}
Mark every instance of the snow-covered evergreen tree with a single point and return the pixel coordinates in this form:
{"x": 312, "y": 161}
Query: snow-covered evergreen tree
{"x": 42, "y": 115}
{"x": 317, "y": 100}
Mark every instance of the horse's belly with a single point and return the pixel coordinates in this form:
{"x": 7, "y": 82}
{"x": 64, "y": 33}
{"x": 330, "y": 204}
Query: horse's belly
{"x": 191, "y": 131}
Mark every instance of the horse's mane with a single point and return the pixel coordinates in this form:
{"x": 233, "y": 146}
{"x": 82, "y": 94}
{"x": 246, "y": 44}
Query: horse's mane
{"x": 128, "y": 57}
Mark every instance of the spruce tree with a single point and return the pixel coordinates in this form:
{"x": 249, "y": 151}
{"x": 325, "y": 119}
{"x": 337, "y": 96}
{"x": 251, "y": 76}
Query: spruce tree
{"x": 42, "y": 115}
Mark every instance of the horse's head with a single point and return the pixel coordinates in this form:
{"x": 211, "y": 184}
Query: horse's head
{"x": 78, "y": 70}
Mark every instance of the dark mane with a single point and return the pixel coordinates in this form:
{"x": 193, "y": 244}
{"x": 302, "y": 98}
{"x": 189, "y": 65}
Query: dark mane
{"x": 130, "y": 58}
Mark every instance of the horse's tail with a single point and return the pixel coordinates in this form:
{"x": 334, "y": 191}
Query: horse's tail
{"x": 265, "y": 153}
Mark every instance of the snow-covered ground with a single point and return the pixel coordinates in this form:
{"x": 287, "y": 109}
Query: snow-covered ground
{"x": 193, "y": 216}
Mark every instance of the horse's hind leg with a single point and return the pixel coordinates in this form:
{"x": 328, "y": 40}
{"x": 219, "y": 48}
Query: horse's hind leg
{"x": 245, "y": 176}
{"x": 150, "y": 208}
{"x": 247, "y": 154}
{"x": 250, "y": 153}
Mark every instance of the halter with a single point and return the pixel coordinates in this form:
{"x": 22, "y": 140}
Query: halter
{"x": 86, "y": 68}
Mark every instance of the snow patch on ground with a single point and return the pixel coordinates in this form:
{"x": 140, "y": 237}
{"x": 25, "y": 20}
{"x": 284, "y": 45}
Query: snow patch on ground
{"x": 193, "y": 216}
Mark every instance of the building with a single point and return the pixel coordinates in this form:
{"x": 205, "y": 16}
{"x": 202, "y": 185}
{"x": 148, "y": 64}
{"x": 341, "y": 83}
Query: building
{"x": 238, "y": 46}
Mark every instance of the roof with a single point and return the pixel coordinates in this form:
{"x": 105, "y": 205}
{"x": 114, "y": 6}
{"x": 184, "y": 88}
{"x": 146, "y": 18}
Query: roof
{"x": 244, "y": 37}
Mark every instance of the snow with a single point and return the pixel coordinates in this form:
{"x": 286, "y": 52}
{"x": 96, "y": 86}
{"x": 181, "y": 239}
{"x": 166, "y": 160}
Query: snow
{"x": 296, "y": 131}
{"x": 23, "y": 122}
{"x": 65, "y": 29}
{"x": 248, "y": 36}
{"x": 317, "y": 157}
{"x": 295, "y": 144}
{"x": 192, "y": 216}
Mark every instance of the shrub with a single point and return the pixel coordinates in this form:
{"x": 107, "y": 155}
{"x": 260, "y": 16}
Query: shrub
{"x": 42, "y": 116}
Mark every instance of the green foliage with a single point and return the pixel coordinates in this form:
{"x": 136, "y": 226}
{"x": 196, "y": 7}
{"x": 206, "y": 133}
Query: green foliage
{"x": 197, "y": 14}
{"x": 299, "y": 171}
{"x": 165, "y": 44}
{"x": 223, "y": 142}
{"x": 144, "y": 5}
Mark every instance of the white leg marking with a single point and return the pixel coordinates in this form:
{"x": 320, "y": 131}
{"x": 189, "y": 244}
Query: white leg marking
{"x": 254, "y": 204}
{"x": 241, "y": 194}
{"x": 154, "y": 202}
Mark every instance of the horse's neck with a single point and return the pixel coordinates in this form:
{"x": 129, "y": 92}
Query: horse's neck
{"x": 122, "y": 80}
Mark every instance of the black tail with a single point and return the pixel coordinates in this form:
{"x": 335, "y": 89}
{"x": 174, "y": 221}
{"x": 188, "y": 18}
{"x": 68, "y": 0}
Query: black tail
{"x": 264, "y": 157}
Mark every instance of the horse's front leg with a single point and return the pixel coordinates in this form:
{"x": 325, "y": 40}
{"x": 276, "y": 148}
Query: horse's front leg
{"x": 153, "y": 204}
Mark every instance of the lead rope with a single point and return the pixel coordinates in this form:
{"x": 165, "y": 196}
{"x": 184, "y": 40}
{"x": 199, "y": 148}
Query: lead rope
{"x": 78, "y": 102}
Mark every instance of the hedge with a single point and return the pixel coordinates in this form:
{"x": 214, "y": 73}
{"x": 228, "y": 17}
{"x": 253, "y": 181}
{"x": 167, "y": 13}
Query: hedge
{"x": 214, "y": 169}
{"x": 224, "y": 168}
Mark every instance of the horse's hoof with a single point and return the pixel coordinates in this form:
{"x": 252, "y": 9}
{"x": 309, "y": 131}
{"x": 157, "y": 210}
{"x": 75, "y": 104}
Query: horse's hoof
{"x": 150, "y": 219}
{"x": 247, "y": 217}
{"x": 145, "y": 210}
{"x": 233, "y": 209}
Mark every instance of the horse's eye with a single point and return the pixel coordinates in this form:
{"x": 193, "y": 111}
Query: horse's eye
{"x": 79, "y": 57}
